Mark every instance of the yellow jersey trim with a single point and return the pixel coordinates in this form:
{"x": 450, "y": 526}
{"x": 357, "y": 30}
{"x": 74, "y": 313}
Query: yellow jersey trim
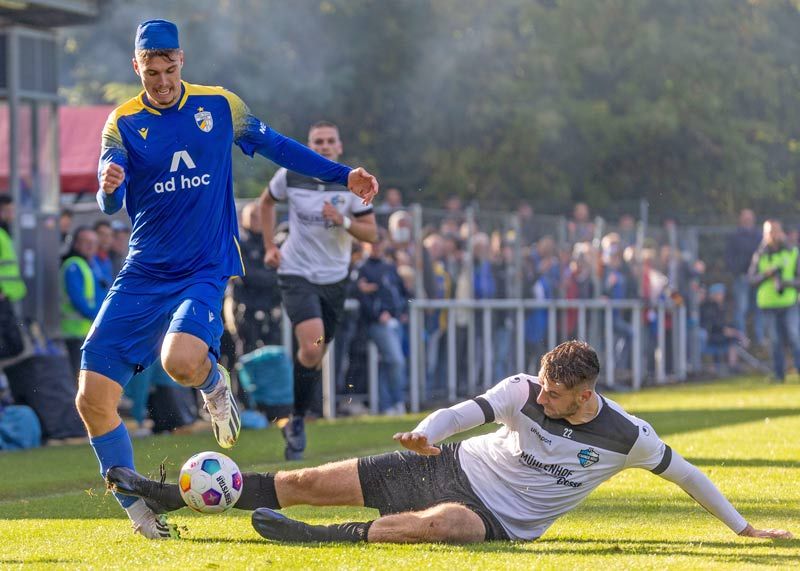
{"x": 239, "y": 111}
{"x": 111, "y": 134}
{"x": 241, "y": 260}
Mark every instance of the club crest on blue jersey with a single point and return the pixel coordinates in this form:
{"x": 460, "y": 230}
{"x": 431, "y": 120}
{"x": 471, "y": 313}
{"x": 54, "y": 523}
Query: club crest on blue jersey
{"x": 587, "y": 457}
{"x": 204, "y": 120}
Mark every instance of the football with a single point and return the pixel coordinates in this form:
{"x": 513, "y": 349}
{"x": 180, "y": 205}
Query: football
{"x": 210, "y": 482}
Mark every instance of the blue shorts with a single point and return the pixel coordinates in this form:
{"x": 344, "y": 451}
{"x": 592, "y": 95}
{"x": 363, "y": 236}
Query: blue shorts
{"x": 129, "y": 329}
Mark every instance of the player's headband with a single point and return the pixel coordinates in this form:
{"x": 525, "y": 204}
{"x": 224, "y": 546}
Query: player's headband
{"x": 157, "y": 35}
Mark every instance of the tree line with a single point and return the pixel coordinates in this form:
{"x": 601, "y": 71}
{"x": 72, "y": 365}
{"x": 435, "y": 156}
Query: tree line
{"x": 691, "y": 105}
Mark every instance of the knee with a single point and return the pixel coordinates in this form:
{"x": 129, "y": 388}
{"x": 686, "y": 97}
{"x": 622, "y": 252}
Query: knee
{"x": 93, "y": 408}
{"x": 310, "y": 354}
{"x": 182, "y": 367}
{"x": 452, "y": 524}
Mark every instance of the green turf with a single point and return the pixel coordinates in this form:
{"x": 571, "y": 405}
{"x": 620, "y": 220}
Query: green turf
{"x": 745, "y": 434}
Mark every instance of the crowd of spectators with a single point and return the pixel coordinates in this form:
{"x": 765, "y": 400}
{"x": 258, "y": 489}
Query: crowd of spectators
{"x": 459, "y": 253}
{"x": 463, "y": 257}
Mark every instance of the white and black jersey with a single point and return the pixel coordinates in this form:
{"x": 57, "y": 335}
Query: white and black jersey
{"x": 536, "y": 468}
{"x": 315, "y": 249}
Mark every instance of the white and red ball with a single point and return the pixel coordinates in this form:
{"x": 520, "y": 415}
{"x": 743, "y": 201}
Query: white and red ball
{"x": 210, "y": 482}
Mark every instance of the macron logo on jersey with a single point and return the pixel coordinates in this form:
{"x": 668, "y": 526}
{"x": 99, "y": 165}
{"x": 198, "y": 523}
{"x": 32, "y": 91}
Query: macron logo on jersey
{"x": 182, "y": 182}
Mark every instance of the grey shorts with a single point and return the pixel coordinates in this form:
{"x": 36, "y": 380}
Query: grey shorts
{"x": 404, "y": 481}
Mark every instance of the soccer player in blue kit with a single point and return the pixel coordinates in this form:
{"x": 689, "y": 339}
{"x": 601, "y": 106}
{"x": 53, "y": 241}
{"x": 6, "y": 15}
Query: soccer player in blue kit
{"x": 166, "y": 155}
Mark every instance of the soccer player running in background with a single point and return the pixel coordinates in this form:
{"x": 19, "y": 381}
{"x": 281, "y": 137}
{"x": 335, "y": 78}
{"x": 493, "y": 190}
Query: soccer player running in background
{"x": 313, "y": 265}
{"x": 559, "y": 440}
{"x": 166, "y": 155}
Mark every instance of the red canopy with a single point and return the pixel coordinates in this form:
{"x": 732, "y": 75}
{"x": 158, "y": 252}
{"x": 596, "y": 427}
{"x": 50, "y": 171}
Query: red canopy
{"x": 79, "y": 145}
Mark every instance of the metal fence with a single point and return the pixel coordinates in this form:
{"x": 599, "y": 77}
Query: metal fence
{"x": 660, "y": 343}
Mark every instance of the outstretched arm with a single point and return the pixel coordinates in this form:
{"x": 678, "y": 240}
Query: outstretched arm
{"x": 255, "y": 136}
{"x": 705, "y": 493}
{"x": 443, "y": 424}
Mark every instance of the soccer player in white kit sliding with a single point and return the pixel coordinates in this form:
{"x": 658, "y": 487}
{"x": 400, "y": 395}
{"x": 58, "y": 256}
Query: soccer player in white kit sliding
{"x": 559, "y": 440}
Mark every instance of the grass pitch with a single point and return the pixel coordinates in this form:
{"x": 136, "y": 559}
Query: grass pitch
{"x": 745, "y": 434}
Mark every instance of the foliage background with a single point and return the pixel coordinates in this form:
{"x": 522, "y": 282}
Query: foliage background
{"x": 691, "y": 105}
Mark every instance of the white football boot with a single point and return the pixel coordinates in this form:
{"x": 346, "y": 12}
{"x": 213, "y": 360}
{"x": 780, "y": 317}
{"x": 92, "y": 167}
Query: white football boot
{"x": 148, "y": 524}
{"x": 221, "y": 405}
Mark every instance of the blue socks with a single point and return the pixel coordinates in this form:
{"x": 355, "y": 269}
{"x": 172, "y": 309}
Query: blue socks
{"x": 213, "y": 376}
{"x": 115, "y": 449}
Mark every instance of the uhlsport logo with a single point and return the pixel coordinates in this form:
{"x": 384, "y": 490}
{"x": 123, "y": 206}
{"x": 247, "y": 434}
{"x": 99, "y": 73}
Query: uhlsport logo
{"x": 182, "y": 182}
{"x": 204, "y": 120}
{"x": 587, "y": 457}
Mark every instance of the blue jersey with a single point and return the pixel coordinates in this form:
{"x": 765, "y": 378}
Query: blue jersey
{"x": 178, "y": 187}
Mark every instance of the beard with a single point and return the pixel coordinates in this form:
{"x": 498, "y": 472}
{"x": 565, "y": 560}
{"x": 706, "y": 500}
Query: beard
{"x": 563, "y": 414}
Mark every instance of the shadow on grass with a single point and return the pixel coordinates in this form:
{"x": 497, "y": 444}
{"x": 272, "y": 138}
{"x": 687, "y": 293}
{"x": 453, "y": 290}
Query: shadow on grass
{"x": 732, "y": 551}
{"x": 678, "y": 421}
{"x": 745, "y": 462}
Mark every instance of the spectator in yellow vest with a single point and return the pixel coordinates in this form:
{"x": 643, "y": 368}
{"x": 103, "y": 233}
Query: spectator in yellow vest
{"x": 80, "y": 299}
{"x": 774, "y": 273}
{"x": 12, "y": 288}
{"x": 11, "y": 285}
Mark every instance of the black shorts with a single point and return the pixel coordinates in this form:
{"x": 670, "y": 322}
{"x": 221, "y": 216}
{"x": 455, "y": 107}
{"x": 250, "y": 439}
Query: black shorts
{"x": 405, "y": 481}
{"x": 303, "y": 300}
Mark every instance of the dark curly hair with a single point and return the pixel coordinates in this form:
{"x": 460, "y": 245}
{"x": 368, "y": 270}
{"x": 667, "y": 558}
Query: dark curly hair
{"x": 571, "y": 364}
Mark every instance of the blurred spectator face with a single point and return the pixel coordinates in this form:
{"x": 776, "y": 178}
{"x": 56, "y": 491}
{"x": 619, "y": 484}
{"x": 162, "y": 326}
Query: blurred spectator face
{"x": 393, "y": 198}
{"x": 466, "y": 230}
{"x": 627, "y": 223}
{"x": 400, "y": 227}
{"x": 65, "y": 222}
{"x": 86, "y": 243}
{"x": 104, "y": 237}
{"x": 629, "y": 255}
{"x": 581, "y": 212}
{"x": 119, "y": 243}
{"x": 546, "y": 247}
{"x": 435, "y": 246}
{"x": 614, "y": 260}
{"x": 326, "y": 142}
{"x": 449, "y": 226}
{"x": 610, "y": 243}
{"x": 747, "y": 218}
{"x": 450, "y": 245}
{"x": 375, "y": 250}
{"x": 480, "y": 246}
{"x": 665, "y": 253}
{"x": 356, "y": 253}
{"x": 7, "y": 212}
{"x": 773, "y": 232}
{"x": 453, "y": 204}
{"x": 525, "y": 211}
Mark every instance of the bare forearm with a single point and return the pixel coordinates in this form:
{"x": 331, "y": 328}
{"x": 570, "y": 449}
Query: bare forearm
{"x": 267, "y": 207}
{"x": 364, "y": 230}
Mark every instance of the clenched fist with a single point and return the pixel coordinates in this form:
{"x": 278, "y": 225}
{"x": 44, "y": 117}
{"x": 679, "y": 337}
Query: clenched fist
{"x": 111, "y": 178}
